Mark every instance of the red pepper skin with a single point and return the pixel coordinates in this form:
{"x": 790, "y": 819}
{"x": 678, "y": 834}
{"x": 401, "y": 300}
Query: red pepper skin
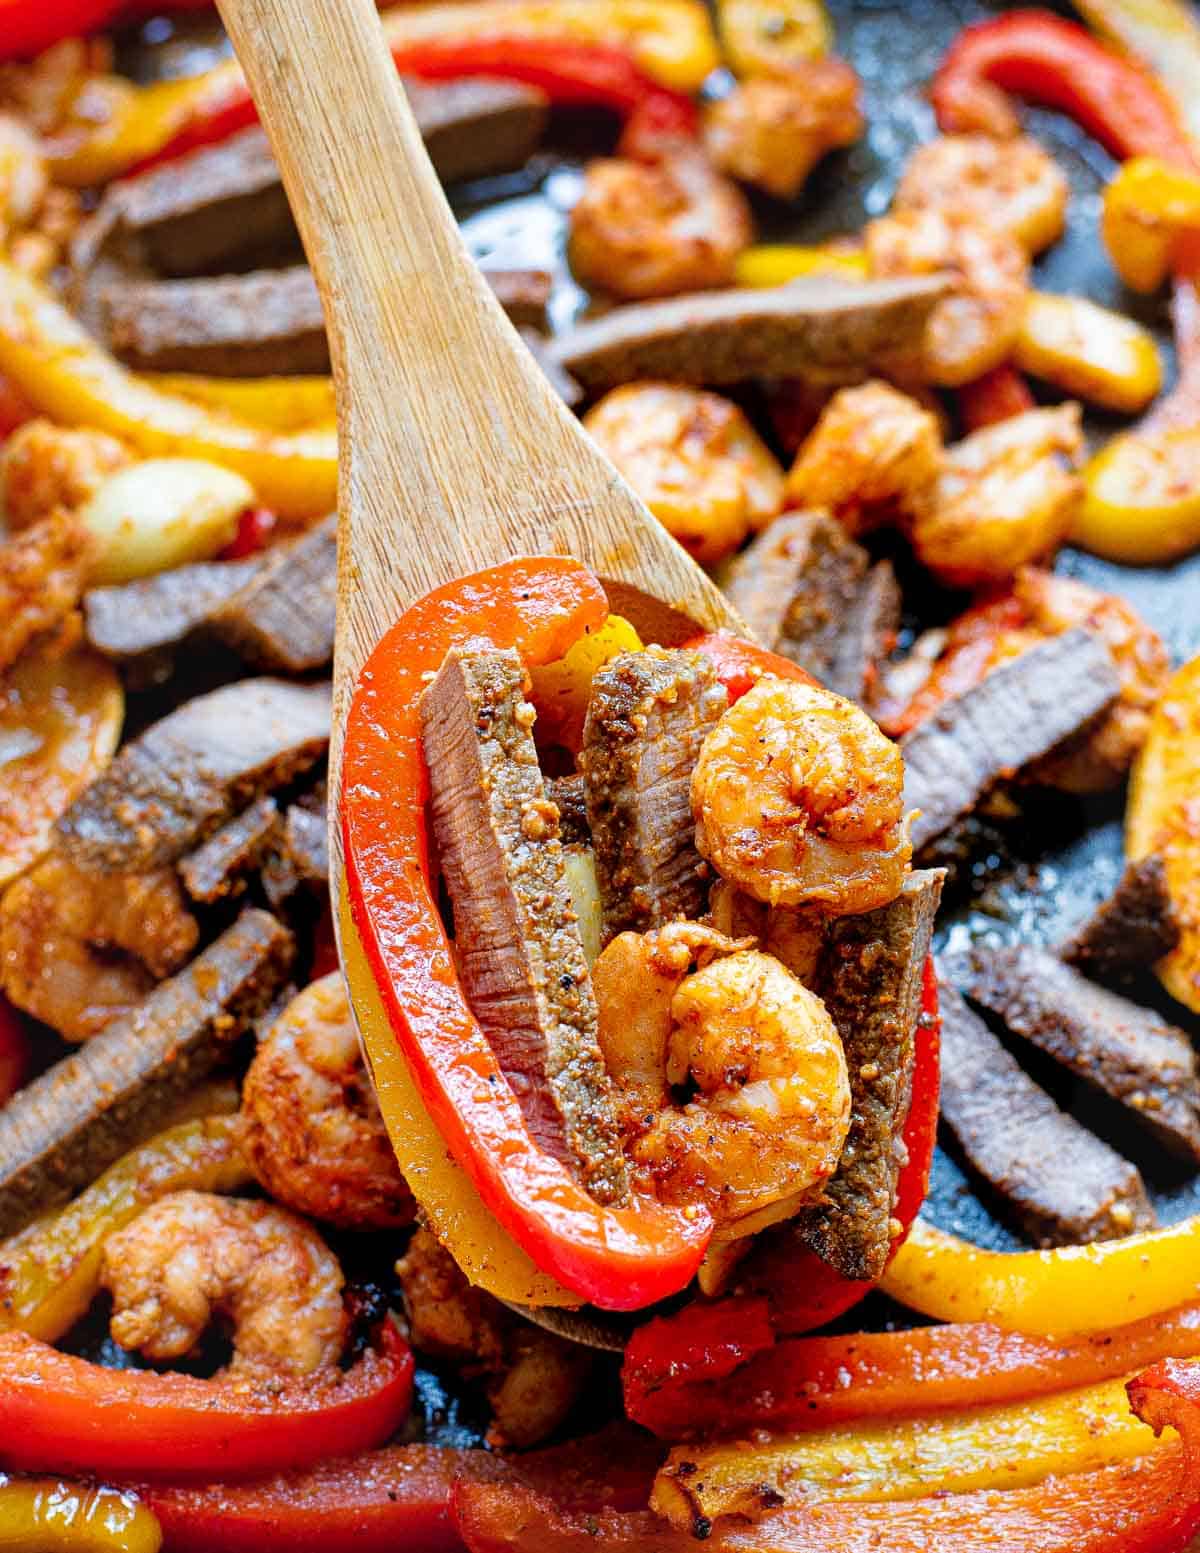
{"x": 997, "y": 396}
{"x": 14, "y": 1050}
{"x": 570, "y": 74}
{"x": 1045, "y": 59}
{"x": 29, "y": 26}
{"x": 705, "y": 1341}
{"x": 255, "y": 528}
{"x": 741, "y": 664}
{"x": 1149, "y": 1505}
{"x": 621, "y": 1259}
{"x": 62, "y": 1414}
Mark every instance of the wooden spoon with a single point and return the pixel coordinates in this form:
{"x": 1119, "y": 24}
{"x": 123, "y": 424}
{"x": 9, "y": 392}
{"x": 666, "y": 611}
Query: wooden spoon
{"x": 455, "y": 454}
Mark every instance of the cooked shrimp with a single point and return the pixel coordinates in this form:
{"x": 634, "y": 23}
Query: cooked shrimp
{"x": 1105, "y": 753}
{"x": 44, "y": 467}
{"x": 1013, "y": 186}
{"x": 59, "y": 928}
{"x": 311, "y": 1126}
{"x": 533, "y": 1378}
{"x": 975, "y": 328}
{"x": 694, "y": 459}
{"x": 194, "y": 1255}
{"x": 772, "y": 131}
{"x": 652, "y": 229}
{"x": 799, "y": 801}
{"x": 42, "y": 576}
{"x": 870, "y": 455}
{"x": 770, "y": 1107}
{"x": 1007, "y": 495}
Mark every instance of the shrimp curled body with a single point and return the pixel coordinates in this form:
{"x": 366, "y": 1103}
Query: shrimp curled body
{"x": 193, "y": 1255}
{"x": 799, "y": 800}
{"x": 312, "y": 1131}
{"x": 769, "y": 1102}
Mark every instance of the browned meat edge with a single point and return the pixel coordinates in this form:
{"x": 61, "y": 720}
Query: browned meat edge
{"x": 518, "y": 947}
{"x": 1125, "y": 1051}
{"x": 649, "y": 714}
{"x": 1136, "y": 926}
{"x": 169, "y": 789}
{"x": 224, "y": 203}
{"x": 833, "y": 329}
{"x": 1018, "y": 712}
{"x": 58, "y": 1133}
{"x": 219, "y": 868}
{"x": 282, "y": 619}
{"x": 301, "y": 859}
{"x": 868, "y": 633}
{"x": 869, "y": 977}
{"x": 1063, "y": 1185}
{"x": 568, "y": 796}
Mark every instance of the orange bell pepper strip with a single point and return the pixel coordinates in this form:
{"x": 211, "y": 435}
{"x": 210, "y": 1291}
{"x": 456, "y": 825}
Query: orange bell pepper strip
{"x": 820, "y": 1382}
{"x": 63, "y": 1414}
{"x": 1149, "y": 1505}
{"x": 621, "y": 1259}
{"x": 1046, "y": 59}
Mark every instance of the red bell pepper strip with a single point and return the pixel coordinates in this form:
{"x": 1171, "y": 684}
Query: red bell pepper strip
{"x": 14, "y": 1050}
{"x": 29, "y": 26}
{"x": 1045, "y": 59}
{"x": 255, "y": 528}
{"x": 998, "y": 395}
{"x": 821, "y": 1382}
{"x": 1149, "y": 1505}
{"x": 740, "y": 664}
{"x": 621, "y": 1259}
{"x": 62, "y": 1414}
{"x": 783, "y": 1288}
{"x": 569, "y": 72}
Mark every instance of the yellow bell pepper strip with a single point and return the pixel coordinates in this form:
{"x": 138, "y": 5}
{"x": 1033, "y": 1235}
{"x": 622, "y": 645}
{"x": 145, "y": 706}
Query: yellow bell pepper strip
{"x": 1148, "y": 207}
{"x": 1164, "y": 33}
{"x": 561, "y": 691}
{"x": 619, "y": 1258}
{"x": 770, "y": 37}
{"x": 275, "y": 403}
{"x": 50, "y": 1271}
{"x": 1014, "y": 1445}
{"x": 1068, "y": 1290}
{"x": 1089, "y": 352}
{"x": 775, "y": 264}
{"x": 65, "y": 374}
{"x": 1148, "y": 1505}
{"x": 667, "y": 46}
{"x": 63, "y": 1414}
{"x": 39, "y": 1515}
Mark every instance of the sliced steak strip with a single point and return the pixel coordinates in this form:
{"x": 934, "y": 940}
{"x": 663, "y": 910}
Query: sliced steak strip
{"x": 186, "y": 775}
{"x": 519, "y": 950}
{"x": 836, "y": 330}
{"x": 225, "y": 203}
{"x": 649, "y": 714}
{"x": 1136, "y": 926}
{"x": 569, "y": 797}
{"x": 58, "y": 1133}
{"x": 219, "y": 868}
{"x": 1018, "y": 712}
{"x": 867, "y": 635}
{"x": 1125, "y": 1051}
{"x": 302, "y": 858}
{"x": 870, "y": 977}
{"x": 282, "y": 619}
{"x": 1062, "y": 1183}
{"x": 141, "y": 625}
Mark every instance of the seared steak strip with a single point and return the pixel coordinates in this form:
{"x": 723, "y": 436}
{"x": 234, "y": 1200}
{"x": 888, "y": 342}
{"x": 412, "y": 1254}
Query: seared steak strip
{"x": 519, "y": 951}
{"x": 219, "y": 868}
{"x": 869, "y": 977}
{"x": 58, "y": 1133}
{"x": 186, "y": 775}
{"x": 1136, "y": 926}
{"x": 1125, "y": 1051}
{"x": 224, "y": 203}
{"x": 867, "y": 635}
{"x": 1063, "y": 1184}
{"x": 836, "y": 330}
{"x": 569, "y": 797}
{"x": 301, "y": 859}
{"x": 282, "y": 619}
{"x": 649, "y": 714}
{"x": 1019, "y": 711}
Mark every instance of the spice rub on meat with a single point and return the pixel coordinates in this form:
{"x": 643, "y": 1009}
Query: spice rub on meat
{"x": 518, "y": 946}
{"x": 649, "y": 714}
{"x": 1137, "y": 925}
